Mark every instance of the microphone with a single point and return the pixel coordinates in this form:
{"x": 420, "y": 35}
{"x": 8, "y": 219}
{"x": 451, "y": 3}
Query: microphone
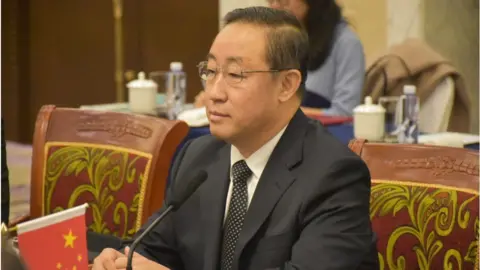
{"x": 178, "y": 199}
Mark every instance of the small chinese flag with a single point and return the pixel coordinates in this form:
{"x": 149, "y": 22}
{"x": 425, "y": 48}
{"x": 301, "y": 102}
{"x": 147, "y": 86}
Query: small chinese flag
{"x": 56, "y": 241}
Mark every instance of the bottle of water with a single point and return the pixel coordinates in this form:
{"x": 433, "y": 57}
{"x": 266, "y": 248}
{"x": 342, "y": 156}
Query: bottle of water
{"x": 175, "y": 90}
{"x": 411, "y": 108}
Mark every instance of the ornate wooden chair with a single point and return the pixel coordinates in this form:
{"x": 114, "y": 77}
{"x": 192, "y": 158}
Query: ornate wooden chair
{"x": 424, "y": 204}
{"x": 116, "y": 162}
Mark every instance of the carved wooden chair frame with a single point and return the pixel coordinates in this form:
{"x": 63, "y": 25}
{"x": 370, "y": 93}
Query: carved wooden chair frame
{"x": 443, "y": 166}
{"x": 158, "y": 166}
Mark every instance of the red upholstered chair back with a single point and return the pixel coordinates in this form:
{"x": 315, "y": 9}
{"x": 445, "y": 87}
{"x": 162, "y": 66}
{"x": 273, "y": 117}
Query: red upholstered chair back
{"x": 424, "y": 204}
{"x": 116, "y": 162}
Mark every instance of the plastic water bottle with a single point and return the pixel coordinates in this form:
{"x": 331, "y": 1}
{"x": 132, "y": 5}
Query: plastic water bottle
{"x": 411, "y": 108}
{"x": 175, "y": 90}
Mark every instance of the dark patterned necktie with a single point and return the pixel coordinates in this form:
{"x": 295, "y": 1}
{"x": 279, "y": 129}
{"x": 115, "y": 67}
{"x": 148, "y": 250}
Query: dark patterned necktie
{"x": 236, "y": 212}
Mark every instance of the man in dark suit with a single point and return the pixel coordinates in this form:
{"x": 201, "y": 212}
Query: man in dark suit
{"x": 281, "y": 192}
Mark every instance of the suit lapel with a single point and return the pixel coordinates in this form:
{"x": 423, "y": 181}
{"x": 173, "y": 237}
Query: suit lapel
{"x": 275, "y": 180}
{"x": 213, "y": 196}
{"x": 272, "y": 185}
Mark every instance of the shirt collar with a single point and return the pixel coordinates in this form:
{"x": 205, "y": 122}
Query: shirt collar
{"x": 258, "y": 160}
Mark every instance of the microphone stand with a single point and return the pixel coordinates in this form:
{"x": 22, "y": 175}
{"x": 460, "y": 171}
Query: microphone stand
{"x": 143, "y": 234}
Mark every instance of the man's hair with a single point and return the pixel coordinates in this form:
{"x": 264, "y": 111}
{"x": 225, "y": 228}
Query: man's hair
{"x": 287, "y": 41}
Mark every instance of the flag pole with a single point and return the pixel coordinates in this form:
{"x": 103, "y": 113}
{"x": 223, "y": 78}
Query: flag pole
{"x": 6, "y": 230}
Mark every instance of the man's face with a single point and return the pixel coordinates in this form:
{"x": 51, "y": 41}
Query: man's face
{"x": 240, "y": 105}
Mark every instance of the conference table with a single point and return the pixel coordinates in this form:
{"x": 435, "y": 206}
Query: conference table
{"x": 343, "y": 132}
{"x": 339, "y": 126}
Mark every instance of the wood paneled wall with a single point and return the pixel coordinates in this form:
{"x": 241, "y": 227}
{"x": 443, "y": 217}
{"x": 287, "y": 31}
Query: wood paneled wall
{"x": 62, "y": 52}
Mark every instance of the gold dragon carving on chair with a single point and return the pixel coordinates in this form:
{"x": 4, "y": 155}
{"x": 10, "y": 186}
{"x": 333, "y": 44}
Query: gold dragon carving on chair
{"x": 423, "y": 206}
{"x": 108, "y": 170}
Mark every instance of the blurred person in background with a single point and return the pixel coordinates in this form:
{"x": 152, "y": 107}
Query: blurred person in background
{"x": 336, "y": 68}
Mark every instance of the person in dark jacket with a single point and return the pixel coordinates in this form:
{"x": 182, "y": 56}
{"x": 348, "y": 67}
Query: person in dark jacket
{"x": 5, "y": 181}
{"x": 11, "y": 260}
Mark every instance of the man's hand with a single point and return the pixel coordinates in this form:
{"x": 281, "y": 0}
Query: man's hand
{"x": 138, "y": 262}
{"x": 106, "y": 259}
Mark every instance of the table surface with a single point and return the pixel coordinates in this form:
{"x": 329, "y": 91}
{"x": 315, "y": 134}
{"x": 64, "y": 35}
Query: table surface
{"x": 343, "y": 132}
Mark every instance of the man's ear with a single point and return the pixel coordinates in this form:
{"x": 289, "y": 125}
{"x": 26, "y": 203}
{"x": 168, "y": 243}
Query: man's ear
{"x": 291, "y": 80}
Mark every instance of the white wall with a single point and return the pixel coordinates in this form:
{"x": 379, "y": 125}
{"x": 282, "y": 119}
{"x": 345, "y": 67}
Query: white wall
{"x": 405, "y": 20}
{"x": 369, "y": 19}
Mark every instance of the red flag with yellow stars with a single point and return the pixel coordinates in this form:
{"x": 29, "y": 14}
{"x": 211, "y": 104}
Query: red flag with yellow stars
{"x": 57, "y": 241}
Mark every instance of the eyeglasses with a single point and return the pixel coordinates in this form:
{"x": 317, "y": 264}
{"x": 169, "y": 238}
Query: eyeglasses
{"x": 232, "y": 73}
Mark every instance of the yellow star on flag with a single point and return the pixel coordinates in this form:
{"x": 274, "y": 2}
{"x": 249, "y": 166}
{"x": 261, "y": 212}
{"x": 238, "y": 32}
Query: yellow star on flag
{"x": 69, "y": 238}
{"x": 79, "y": 257}
{"x": 59, "y": 265}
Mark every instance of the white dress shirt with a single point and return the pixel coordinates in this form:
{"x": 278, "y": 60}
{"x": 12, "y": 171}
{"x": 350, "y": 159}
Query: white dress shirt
{"x": 256, "y": 162}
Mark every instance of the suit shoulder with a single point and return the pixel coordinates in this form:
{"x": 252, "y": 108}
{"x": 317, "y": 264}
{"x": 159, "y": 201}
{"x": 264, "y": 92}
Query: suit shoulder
{"x": 319, "y": 142}
{"x": 204, "y": 143}
{"x": 328, "y": 163}
{"x": 201, "y": 150}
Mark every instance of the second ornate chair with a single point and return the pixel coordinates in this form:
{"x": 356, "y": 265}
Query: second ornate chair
{"x": 424, "y": 204}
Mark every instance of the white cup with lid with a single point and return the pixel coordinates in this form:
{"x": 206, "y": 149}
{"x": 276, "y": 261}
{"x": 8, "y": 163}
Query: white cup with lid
{"x": 369, "y": 121}
{"x": 142, "y": 95}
